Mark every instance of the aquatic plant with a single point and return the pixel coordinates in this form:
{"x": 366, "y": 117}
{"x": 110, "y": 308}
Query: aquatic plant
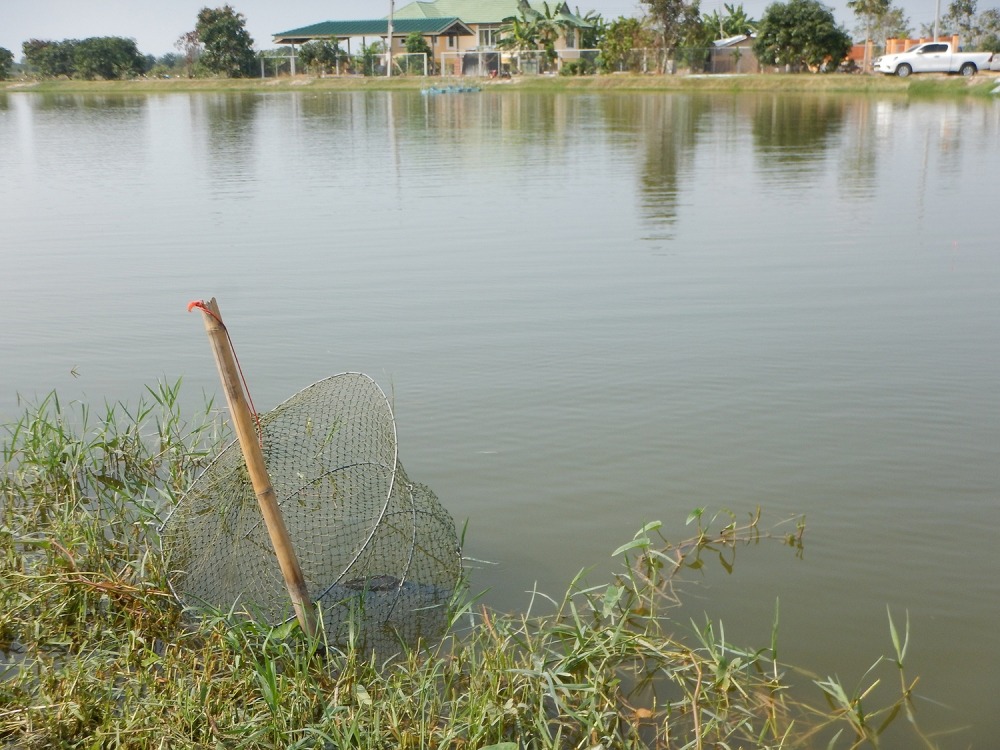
{"x": 95, "y": 652}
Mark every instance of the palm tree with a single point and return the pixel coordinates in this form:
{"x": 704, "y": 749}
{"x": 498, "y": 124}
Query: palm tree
{"x": 550, "y": 27}
{"x": 734, "y": 22}
{"x": 592, "y": 37}
{"x": 534, "y": 30}
{"x": 518, "y": 34}
{"x": 870, "y": 11}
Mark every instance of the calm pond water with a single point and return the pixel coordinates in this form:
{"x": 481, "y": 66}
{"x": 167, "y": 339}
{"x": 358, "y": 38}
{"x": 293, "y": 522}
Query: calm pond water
{"x": 591, "y": 311}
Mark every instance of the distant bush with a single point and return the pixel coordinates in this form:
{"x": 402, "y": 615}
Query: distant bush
{"x": 580, "y": 67}
{"x": 107, "y": 57}
{"x": 6, "y": 60}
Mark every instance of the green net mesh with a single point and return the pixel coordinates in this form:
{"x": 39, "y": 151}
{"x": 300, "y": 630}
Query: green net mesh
{"x": 379, "y": 553}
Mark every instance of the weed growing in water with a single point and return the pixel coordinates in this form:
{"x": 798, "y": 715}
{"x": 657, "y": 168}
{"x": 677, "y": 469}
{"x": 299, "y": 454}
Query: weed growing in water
{"x": 95, "y": 652}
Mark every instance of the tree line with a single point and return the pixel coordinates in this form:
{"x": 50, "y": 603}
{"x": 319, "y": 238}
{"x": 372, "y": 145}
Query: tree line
{"x": 219, "y": 45}
{"x": 106, "y": 57}
{"x": 800, "y": 34}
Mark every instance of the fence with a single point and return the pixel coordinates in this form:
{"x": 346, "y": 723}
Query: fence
{"x": 637, "y": 61}
{"x": 493, "y": 63}
{"x": 403, "y": 64}
{"x": 480, "y": 64}
{"x": 698, "y": 60}
{"x": 409, "y": 64}
{"x": 496, "y": 63}
{"x": 275, "y": 65}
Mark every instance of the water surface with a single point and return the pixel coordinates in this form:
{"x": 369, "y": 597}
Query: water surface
{"x": 591, "y": 311}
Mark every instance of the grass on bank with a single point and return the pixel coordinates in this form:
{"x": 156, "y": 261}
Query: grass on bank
{"x": 926, "y": 84}
{"x": 96, "y": 653}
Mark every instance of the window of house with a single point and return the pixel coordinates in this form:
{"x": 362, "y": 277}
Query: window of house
{"x": 451, "y": 41}
{"x": 570, "y": 38}
{"x": 488, "y": 36}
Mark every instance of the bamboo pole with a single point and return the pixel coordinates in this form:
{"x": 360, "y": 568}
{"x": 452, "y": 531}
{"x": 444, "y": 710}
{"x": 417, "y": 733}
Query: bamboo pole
{"x": 239, "y": 410}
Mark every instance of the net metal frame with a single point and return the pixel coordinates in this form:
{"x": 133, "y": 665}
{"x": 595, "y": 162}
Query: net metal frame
{"x": 379, "y": 553}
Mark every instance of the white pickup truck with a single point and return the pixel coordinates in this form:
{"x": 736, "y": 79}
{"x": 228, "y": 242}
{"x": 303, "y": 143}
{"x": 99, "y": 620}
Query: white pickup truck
{"x": 933, "y": 57}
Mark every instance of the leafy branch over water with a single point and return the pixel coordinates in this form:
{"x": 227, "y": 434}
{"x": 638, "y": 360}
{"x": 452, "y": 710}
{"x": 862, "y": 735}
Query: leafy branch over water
{"x": 95, "y": 652}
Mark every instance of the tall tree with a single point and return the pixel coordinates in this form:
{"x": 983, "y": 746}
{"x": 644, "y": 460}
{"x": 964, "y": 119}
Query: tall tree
{"x": 192, "y": 48}
{"x": 622, "y": 37}
{"x": 733, "y": 22}
{"x": 961, "y": 17}
{"x": 518, "y": 34}
{"x": 6, "y": 60}
{"x": 49, "y": 59}
{"x": 550, "y": 27}
{"x": 673, "y": 19}
{"x": 591, "y": 37}
{"x": 801, "y": 34}
{"x": 533, "y": 29}
{"x": 228, "y": 46}
{"x": 868, "y": 12}
{"x": 976, "y": 31}
{"x": 989, "y": 31}
{"x": 894, "y": 24}
{"x": 107, "y": 57}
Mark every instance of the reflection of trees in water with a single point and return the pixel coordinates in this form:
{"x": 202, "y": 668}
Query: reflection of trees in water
{"x": 125, "y": 104}
{"x": 947, "y": 131}
{"x": 668, "y": 128}
{"x": 521, "y": 117}
{"x": 469, "y": 126}
{"x": 228, "y": 117}
{"x": 82, "y": 129}
{"x": 856, "y": 168}
{"x": 228, "y": 121}
{"x": 795, "y": 132}
{"x": 477, "y": 126}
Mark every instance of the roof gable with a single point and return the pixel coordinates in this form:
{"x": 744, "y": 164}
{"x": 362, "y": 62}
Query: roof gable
{"x": 375, "y": 27}
{"x": 734, "y": 41}
{"x": 483, "y": 11}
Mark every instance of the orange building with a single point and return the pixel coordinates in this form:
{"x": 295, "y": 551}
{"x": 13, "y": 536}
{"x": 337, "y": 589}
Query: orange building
{"x": 895, "y": 46}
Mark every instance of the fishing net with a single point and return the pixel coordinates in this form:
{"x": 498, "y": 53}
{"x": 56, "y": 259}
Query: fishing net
{"x": 378, "y": 552}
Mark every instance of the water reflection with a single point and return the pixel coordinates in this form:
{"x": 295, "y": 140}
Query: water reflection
{"x": 794, "y": 133}
{"x": 815, "y": 336}
{"x": 857, "y": 169}
{"x": 92, "y": 126}
{"x": 949, "y": 133}
{"x": 227, "y": 121}
{"x": 669, "y": 129}
{"x": 104, "y": 104}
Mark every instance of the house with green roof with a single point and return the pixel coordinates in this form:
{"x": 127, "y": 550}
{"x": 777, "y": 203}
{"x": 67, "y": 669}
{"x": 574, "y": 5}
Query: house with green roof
{"x": 485, "y": 17}
{"x": 450, "y": 27}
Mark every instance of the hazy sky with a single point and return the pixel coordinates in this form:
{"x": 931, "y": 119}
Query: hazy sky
{"x": 156, "y": 24}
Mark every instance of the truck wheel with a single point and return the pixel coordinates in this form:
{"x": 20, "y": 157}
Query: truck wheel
{"x": 969, "y": 69}
{"x": 904, "y": 70}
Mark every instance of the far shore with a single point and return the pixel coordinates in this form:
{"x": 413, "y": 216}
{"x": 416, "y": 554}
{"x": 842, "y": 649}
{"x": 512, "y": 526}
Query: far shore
{"x": 982, "y": 84}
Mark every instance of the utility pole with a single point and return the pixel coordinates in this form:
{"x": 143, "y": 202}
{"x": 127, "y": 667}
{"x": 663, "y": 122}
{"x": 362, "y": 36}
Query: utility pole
{"x": 388, "y": 47}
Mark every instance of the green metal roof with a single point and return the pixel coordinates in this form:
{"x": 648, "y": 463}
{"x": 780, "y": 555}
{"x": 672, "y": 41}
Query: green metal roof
{"x": 376, "y": 27}
{"x": 482, "y": 11}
